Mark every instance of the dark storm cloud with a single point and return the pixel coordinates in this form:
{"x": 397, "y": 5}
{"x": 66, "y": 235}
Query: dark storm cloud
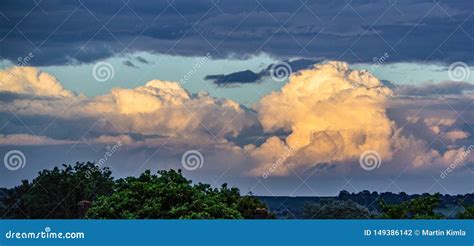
{"x": 129, "y": 64}
{"x": 240, "y": 77}
{"x": 142, "y": 60}
{"x": 248, "y": 76}
{"x": 60, "y": 32}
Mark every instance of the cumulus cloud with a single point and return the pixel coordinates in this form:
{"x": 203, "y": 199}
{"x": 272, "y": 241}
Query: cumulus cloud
{"x": 333, "y": 114}
{"x": 436, "y": 123}
{"x": 455, "y": 135}
{"x": 29, "y": 80}
{"x": 159, "y": 109}
{"x": 165, "y": 108}
{"x": 420, "y": 154}
{"x": 324, "y": 114}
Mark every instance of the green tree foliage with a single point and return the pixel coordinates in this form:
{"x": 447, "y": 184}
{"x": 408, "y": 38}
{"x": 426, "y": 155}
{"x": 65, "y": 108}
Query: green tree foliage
{"x": 55, "y": 193}
{"x": 421, "y": 207}
{"x": 335, "y": 209}
{"x": 169, "y": 195}
{"x": 468, "y": 213}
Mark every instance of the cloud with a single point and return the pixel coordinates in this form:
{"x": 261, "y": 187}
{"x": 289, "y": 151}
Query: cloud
{"x": 129, "y": 64}
{"x": 241, "y": 77}
{"x": 333, "y": 113}
{"x": 72, "y": 32}
{"x": 165, "y": 108}
{"x": 29, "y": 80}
{"x": 142, "y": 60}
{"x": 455, "y": 135}
{"x": 435, "y": 118}
{"x": 325, "y": 115}
{"x": 248, "y": 76}
{"x": 420, "y": 154}
{"x": 432, "y": 89}
{"x": 30, "y": 140}
{"x": 159, "y": 110}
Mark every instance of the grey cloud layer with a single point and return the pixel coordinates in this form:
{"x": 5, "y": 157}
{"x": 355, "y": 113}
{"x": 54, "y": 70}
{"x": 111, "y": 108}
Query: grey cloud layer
{"x": 60, "y": 32}
{"x": 247, "y": 76}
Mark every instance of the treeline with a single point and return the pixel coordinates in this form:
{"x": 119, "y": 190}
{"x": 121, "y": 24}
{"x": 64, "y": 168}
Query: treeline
{"x": 86, "y": 191}
{"x": 373, "y": 205}
{"x": 420, "y": 207}
{"x": 371, "y": 199}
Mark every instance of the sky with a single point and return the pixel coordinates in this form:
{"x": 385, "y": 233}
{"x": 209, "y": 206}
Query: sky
{"x": 299, "y": 98}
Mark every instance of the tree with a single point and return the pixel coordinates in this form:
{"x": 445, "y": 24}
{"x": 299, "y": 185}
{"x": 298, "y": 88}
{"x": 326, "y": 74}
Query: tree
{"x": 169, "y": 195}
{"x": 251, "y": 207}
{"x": 56, "y": 193}
{"x": 421, "y": 207}
{"x": 468, "y": 213}
{"x": 335, "y": 209}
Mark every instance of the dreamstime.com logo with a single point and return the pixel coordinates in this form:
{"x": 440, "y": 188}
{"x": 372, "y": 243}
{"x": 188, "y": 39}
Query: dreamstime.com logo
{"x": 280, "y": 71}
{"x": 111, "y": 150}
{"x": 459, "y": 71}
{"x": 103, "y": 71}
{"x": 14, "y": 160}
{"x": 379, "y": 61}
{"x": 370, "y": 160}
{"x": 459, "y": 159}
{"x": 192, "y": 160}
{"x": 187, "y": 76}
{"x": 45, "y": 234}
{"x": 289, "y": 151}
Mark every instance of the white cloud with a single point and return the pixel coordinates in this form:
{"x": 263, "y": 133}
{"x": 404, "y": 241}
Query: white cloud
{"x": 330, "y": 112}
{"x": 31, "y": 81}
{"x": 455, "y": 135}
{"x": 159, "y": 109}
{"x": 333, "y": 114}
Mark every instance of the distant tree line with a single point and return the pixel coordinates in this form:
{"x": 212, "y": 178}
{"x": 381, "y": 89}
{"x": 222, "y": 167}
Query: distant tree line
{"x": 86, "y": 191}
{"x": 408, "y": 207}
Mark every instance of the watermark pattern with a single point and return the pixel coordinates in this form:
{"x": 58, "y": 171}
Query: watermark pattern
{"x": 370, "y": 160}
{"x": 280, "y": 71}
{"x": 187, "y": 76}
{"x": 378, "y": 61}
{"x": 459, "y": 159}
{"x": 22, "y": 61}
{"x": 45, "y": 234}
{"x": 110, "y": 150}
{"x": 289, "y": 151}
{"x": 459, "y": 71}
{"x": 103, "y": 71}
{"x": 14, "y": 160}
{"x": 192, "y": 160}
